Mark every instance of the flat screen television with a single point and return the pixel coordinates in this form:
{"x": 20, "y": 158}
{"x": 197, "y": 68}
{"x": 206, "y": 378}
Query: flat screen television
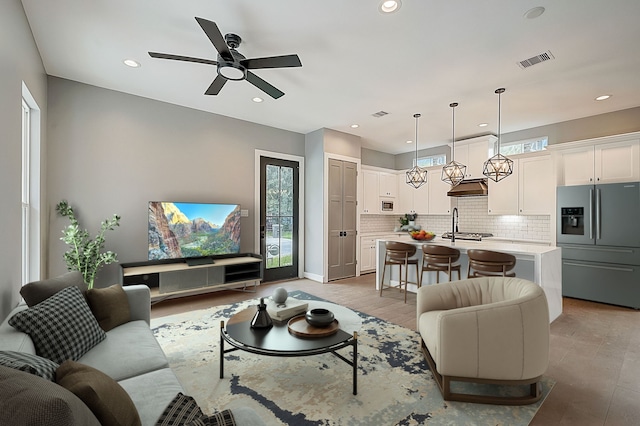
{"x": 192, "y": 230}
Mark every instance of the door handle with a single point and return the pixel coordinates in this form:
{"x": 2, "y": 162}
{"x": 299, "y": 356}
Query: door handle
{"x": 591, "y": 214}
{"x": 610, "y": 268}
{"x": 598, "y": 214}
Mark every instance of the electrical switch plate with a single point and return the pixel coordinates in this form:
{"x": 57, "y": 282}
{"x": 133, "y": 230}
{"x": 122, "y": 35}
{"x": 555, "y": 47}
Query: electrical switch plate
{"x": 244, "y": 213}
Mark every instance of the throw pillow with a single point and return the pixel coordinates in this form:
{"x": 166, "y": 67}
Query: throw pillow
{"x": 29, "y": 363}
{"x": 220, "y": 418}
{"x": 106, "y": 399}
{"x": 62, "y": 327}
{"x": 110, "y": 306}
{"x": 38, "y": 291}
{"x": 182, "y": 410}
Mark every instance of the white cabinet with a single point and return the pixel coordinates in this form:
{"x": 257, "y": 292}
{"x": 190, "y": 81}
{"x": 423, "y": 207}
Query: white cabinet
{"x": 367, "y": 254}
{"x": 473, "y": 153}
{"x": 370, "y": 197}
{"x": 412, "y": 200}
{"x": 530, "y": 190}
{"x": 439, "y": 201}
{"x": 388, "y": 185}
{"x": 604, "y": 162}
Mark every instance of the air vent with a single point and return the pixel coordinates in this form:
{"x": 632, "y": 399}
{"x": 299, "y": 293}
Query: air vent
{"x": 380, "y": 114}
{"x": 543, "y": 57}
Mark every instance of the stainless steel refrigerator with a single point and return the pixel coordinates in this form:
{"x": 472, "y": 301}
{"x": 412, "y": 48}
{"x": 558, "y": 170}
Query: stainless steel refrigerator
{"x": 598, "y": 228}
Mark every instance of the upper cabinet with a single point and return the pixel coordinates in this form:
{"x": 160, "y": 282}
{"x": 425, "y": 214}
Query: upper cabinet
{"x": 429, "y": 199}
{"x": 378, "y": 186}
{"x": 388, "y": 184}
{"x": 604, "y": 160}
{"x": 530, "y": 190}
{"x": 370, "y": 197}
{"x": 439, "y": 201}
{"x": 473, "y": 153}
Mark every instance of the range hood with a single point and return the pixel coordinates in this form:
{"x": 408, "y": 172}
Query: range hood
{"x": 470, "y": 188}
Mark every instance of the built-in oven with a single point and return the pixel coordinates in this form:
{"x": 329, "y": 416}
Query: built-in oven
{"x": 387, "y": 206}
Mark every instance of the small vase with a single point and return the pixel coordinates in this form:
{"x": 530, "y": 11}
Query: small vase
{"x": 261, "y": 319}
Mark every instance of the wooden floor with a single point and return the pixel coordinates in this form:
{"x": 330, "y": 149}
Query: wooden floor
{"x": 594, "y": 357}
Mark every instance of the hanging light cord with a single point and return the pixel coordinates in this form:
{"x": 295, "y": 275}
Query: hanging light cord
{"x": 416, "y": 116}
{"x": 453, "y": 130}
{"x": 499, "y": 92}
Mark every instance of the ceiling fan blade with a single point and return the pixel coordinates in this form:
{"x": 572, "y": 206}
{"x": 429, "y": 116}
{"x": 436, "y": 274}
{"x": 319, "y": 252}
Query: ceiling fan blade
{"x": 272, "y": 62}
{"x": 214, "y": 34}
{"x": 216, "y": 85}
{"x": 182, "y": 58}
{"x": 264, "y": 86}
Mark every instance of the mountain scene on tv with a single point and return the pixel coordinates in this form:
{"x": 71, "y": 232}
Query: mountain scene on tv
{"x": 181, "y": 230}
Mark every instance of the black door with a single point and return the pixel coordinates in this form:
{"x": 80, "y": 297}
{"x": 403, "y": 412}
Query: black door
{"x": 279, "y": 219}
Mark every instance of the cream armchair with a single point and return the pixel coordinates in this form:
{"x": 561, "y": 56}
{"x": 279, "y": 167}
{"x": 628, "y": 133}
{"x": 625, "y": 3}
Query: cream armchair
{"x": 486, "y": 330}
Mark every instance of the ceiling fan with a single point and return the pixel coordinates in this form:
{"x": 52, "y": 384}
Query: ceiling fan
{"x": 231, "y": 64}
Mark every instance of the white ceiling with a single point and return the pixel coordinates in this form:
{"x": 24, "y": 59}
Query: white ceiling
{"x": 357, "y": 61}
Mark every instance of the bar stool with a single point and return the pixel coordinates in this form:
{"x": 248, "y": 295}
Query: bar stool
{"x": 439, "y": 259}
{"x": 487, "y": 263}
{"x": 397, "y": 253}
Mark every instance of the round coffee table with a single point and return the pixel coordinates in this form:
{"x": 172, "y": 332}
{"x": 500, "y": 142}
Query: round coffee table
{"x": 278, "y": 341}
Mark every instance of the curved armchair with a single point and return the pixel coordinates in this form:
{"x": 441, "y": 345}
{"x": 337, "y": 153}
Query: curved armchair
{"x": 486, "y": 330}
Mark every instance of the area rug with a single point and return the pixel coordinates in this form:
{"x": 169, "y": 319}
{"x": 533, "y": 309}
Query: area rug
{"x": 395, "y": 386}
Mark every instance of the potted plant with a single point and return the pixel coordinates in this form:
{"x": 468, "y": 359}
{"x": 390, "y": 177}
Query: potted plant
{"x": 85, "y": 254}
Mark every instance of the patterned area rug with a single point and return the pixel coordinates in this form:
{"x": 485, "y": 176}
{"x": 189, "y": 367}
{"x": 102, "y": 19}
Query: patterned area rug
{"x": 395, "y": 386}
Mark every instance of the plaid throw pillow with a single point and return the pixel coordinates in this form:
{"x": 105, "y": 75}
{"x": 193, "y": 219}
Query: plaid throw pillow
{"x": 29, "y": 363}
{"x": 62, "y": 327}
{"x": 220, "y": 418}
{"x": 182, "y": 410}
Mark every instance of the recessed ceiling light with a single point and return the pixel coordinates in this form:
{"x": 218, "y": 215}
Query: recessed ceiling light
{"x": 534, "y": 13}
{"x": 131, "y": 63}
{"x": 257, "y": 100}
{"x": 483, "y": 124}
{"x": 409, "y": 142}
{"x": 355, "y": 126}
{"x": 603, "y": 97}
{"x": 389, "y": 6}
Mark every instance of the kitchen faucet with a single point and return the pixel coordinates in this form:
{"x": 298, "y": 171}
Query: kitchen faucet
{"x": 454, "y": 224}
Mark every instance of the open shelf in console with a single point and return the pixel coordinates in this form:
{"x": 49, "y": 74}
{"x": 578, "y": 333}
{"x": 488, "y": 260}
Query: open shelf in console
{"x": 175, "y": 278}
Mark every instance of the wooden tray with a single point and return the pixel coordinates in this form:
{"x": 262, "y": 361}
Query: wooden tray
{"x": 298, "y": 326}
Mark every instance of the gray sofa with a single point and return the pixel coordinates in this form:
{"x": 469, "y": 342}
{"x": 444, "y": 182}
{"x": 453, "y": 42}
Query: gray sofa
{"x": 131, "y": 356}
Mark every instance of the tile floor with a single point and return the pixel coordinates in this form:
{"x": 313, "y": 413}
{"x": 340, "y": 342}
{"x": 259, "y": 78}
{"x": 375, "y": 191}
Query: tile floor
{"x": 594, "y": 357}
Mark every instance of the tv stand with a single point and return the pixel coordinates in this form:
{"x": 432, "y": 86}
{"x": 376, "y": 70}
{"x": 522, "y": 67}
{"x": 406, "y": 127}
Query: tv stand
{"x": 195, "y": 261}
{"x": 173, "y": 278}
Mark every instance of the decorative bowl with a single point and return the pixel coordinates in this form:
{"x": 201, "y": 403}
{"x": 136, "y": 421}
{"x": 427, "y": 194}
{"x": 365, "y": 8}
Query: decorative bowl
{"x": 319, "y": 317}
{"x": 422, "y": 235}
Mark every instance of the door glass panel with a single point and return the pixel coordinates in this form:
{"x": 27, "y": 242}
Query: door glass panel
{"x": 279, "y": 216}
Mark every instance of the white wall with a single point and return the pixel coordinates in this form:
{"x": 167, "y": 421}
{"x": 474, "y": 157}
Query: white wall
{"x": 19, "y": 61}
{"x": 113, "y": 153}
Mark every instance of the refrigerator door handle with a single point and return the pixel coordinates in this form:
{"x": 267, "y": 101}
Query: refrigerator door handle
{"x": 598, "y": 214}
{"x": 591, "y": 214}
{"x": 608, "y": 268}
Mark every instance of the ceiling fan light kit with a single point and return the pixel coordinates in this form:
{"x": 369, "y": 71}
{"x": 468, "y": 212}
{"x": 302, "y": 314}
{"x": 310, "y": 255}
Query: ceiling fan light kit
{"x": 498, "y": 167}
{"x": 453, "y": 173}
{"x": 417, "y": 176}
{"x": 231, "y": 64}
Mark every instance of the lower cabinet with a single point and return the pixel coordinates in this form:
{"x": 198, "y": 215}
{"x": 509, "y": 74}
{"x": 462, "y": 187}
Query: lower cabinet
{"x": 368, "y": 254}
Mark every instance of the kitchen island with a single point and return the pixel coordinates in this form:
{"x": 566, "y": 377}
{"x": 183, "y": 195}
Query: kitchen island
{"x": 541, "y": 264}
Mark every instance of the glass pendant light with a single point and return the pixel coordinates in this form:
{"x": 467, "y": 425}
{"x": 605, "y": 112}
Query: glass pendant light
{"x": 453, "y": 173}
{"x": 417, "y": 176}
{"x": 498, "y": 167}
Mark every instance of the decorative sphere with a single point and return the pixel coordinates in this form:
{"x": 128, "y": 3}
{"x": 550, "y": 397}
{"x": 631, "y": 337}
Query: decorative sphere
{"x": 280, "y": 295}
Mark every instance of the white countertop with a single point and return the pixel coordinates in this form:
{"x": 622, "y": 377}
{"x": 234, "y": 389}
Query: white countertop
{"x": 464, "y": 245}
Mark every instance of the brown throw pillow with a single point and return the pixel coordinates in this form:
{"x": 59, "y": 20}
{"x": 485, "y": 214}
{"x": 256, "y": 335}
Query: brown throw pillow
{"x": 110, "y": 306}
{"x": 38, "y": 291}
{"x": 108, "y": 401}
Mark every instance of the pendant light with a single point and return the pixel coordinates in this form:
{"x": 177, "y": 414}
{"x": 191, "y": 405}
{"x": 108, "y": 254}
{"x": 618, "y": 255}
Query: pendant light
{"x": 498, "y": 167}
{"x": 453, "y": 173}
{"x": 417, "y": 176}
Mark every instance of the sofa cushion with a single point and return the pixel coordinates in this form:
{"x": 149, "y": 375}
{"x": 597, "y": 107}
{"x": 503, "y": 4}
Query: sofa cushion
{"x": 29, "y": 400}
{"x": 219, "y": 418}
{"x": 62, "y": 327}
{"x": 29, "y": 363}
{"x": 181, "y": 410}
{"x": 109, "y": 305}
{"x": 108, "y": 401}
{"x": 38, "y": 291}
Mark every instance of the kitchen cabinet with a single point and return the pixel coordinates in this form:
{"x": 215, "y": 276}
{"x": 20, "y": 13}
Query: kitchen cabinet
{"x": 388, "y": 185}
{"x": 410, "y": 199}
{"x": 439, "y": 202}
{"x": 374, "y": 183}
{"x": 609, "y": 160}
{"x": 367, "y": 254}
{"x": 473, "y": 153}
{"x": 530, "y": 190}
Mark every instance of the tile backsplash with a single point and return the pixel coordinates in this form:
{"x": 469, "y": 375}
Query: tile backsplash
{"x": 472, "y": 217}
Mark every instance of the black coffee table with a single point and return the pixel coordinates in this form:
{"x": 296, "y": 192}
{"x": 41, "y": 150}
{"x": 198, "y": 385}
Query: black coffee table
{"x": 279, "y": 342}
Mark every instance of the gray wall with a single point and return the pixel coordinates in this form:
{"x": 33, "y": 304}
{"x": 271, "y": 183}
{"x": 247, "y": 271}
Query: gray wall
{"x": 377, "y": 159}
{"x": 112, "y": 153}
{"x": 20, "y": 61}
{"x": 314, "y": 200}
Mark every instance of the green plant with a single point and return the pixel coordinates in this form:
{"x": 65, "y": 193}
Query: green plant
{"x": 85, "y": 254}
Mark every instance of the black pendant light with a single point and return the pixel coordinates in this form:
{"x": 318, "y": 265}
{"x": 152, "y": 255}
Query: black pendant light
{"x": 498, "y": 167}
{"x": 417, "y": 176}
{"x": 453, "y": 173}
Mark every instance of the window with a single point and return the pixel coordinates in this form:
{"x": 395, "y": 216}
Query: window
{"x": 432, "y": 160}
{"x": 26, "y": 126}
{"x": 528, "y": 145}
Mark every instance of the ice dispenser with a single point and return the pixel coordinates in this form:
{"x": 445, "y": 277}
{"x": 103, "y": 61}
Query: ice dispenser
{"x": 572, "y": 220}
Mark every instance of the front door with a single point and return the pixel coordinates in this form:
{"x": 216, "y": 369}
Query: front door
{"x": 279, "y": 219}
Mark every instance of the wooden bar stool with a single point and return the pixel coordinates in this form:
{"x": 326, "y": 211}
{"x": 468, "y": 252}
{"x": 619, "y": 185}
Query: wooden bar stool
{"x": 487, "y": 263}
{"x": 397, "y": 253}
{"x": 439, "y": 259}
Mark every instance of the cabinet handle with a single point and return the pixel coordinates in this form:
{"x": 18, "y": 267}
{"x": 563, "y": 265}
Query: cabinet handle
{"x": 609, "y": 268}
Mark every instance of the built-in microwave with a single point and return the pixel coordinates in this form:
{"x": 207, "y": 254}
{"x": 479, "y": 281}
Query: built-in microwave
{"x": 387, "y": 206}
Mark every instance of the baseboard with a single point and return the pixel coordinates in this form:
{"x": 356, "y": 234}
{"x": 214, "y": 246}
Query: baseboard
{"x": 314, "y": 277}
